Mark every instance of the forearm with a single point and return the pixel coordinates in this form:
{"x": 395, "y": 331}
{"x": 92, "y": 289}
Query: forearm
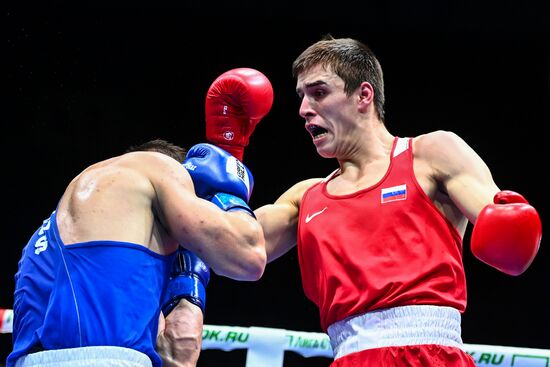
{"x": 179, "y": 342}
{"x": 280, "y": 219}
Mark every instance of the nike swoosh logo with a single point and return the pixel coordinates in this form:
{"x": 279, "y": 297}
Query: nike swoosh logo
{"x": 310, "y": 217}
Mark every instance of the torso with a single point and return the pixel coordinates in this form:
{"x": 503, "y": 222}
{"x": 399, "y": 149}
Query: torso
{"x": 360, "y": 242}
{"x": 104, "y": 242}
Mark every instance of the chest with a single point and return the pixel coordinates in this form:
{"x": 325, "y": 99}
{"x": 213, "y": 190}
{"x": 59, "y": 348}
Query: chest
{"x": 359, "y": 180}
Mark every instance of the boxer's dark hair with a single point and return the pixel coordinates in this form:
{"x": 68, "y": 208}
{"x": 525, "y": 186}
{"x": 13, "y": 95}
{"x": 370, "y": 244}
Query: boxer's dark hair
{"x": 351, "y": 60}
{"x": 161, "y": 146}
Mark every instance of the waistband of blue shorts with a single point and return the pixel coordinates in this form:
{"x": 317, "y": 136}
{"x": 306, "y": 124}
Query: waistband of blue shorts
{"x": 100, "y": 356}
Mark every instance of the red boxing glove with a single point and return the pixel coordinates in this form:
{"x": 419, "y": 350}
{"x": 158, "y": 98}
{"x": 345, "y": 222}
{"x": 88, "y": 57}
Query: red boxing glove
{"x": 236, "y": 101}
{"x": 507, "y": 234}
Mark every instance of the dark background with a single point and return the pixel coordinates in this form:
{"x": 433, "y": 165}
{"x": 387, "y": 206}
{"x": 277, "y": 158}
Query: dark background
{"x": 85, "y": 83}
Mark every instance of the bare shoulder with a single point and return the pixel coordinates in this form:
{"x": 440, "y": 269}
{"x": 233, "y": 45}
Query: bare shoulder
{"x": 123, "y": 189}
{"x": 126, "y": 173}
{"x": 143, "y": 172}
{"x": 433, "y": 144}
{"x": 440, "y": 146}
{"x": 306, "y": 184}
{"x": 445, "y": 152}
{"x": 296, "y": 191}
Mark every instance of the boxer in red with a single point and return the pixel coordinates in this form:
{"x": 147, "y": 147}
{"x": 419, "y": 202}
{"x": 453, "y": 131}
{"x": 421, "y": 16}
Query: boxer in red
{"x": 380, "y": 239}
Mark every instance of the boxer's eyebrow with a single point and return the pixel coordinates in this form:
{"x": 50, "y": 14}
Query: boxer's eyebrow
{"x": 310, "y": 85}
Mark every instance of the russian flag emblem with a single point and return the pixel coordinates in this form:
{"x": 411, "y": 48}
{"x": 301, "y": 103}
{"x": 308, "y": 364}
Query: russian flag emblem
{"x": 394, "y": 193}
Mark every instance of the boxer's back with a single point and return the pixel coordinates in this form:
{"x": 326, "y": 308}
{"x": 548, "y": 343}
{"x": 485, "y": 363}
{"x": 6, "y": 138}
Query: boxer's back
{"x": 112, "y": 200}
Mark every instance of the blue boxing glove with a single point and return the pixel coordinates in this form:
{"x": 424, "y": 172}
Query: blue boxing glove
{"x": 226, "y": 182}
{"x": 188, "y": 280}
{"x": 219, "y": 177}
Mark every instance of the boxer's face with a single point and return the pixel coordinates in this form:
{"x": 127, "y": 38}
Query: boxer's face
{"x": 329, "y": 113}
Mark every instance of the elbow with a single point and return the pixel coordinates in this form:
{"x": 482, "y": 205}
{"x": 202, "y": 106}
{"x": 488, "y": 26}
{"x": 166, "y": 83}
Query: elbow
{"x": 252, "y": 264}
{"x": 248, "y": 268}
{"x": 256, "y": 256}
{"x": 248, "y": 259}
{"x": 256, "y": 266}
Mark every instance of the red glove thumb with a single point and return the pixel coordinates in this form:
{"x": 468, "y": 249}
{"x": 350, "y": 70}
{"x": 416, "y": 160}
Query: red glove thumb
{"x": 507, "y": 234}
{"x": 235, "y": 103}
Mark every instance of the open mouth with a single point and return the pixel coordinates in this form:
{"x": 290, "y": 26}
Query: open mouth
{"x": 315, "y": 131}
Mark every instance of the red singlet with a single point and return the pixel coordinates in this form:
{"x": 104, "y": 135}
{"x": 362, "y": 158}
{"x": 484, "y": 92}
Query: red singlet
{"x": 380, "y": 247}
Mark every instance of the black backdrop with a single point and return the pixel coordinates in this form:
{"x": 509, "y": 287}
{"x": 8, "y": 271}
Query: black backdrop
{"x": 85, "y": 83}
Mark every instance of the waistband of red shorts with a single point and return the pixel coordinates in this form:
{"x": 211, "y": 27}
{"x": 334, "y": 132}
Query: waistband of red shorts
{"x": 396, "y": 326}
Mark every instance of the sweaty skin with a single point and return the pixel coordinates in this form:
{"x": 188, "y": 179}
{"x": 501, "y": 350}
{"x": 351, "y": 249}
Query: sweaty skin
{"x": 113, "y": 200}
{"x": 148, "y": 198}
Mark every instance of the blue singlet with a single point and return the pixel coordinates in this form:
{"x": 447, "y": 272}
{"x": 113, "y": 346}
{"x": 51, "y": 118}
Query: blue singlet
{"x": 86, "y": 294}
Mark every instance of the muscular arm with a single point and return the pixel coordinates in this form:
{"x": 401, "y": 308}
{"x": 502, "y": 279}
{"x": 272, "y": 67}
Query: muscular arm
{"x": 231, "y": 243}
{"x": 459, "y": 170}
{"x": 507, "y": 229}
{"x": 280, "y": 220}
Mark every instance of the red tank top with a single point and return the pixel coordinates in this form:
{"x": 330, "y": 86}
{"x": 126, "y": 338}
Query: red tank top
{"x": 383, "y": 246}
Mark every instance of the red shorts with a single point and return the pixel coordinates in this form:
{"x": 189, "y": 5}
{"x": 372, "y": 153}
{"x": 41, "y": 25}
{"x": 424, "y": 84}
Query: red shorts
{"x": 422, "y": 355}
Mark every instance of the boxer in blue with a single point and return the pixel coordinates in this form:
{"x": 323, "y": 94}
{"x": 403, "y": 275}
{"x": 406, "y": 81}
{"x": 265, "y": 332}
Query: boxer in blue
{"x": 94, "y": 277}
{"x": 111, "y": 277}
